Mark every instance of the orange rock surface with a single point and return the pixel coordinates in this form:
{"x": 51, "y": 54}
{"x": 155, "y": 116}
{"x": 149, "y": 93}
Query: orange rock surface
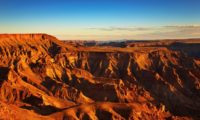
{"x": 42, "y": 77}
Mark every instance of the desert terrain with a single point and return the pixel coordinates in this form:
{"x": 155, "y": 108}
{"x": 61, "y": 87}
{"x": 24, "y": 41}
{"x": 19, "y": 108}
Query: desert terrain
{"x": 43, "y": 78}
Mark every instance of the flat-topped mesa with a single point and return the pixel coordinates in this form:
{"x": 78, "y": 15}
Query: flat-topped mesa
{"x": 38, "y": 36}
{"x": 16, "y": 45}
{"x": 33, "y": 40}
{"x": 36, "y": 40}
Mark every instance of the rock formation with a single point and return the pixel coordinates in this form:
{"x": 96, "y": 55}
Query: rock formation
{"x": 44, "y": 78}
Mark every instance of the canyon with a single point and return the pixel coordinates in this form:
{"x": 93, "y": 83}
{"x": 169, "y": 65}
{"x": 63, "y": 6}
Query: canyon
{"x": 43, "y": 78}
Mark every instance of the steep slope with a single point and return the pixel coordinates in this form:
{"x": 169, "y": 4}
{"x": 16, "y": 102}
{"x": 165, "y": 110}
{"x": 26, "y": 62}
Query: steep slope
{"x": 50, "y": 79}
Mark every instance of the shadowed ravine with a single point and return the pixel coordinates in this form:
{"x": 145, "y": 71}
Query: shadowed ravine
{"x": 45, "y": 78}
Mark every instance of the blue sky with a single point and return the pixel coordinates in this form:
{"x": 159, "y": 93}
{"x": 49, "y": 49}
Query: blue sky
{"x": 102, "y": 19}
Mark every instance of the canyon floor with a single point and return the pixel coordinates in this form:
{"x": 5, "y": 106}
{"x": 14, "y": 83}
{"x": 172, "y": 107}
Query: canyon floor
{"x": 43, "y": 78}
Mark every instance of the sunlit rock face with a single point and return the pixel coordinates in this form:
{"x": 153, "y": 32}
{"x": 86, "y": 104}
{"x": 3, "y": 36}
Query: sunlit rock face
{"x": 45, "y": 78}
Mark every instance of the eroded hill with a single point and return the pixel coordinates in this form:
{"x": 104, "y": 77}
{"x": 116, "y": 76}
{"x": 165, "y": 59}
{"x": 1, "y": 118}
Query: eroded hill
{"x": 44, "y": 78}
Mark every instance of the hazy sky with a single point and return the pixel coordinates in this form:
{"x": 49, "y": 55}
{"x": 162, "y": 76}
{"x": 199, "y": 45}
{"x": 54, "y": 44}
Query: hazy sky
{"x": 102, "y": 19}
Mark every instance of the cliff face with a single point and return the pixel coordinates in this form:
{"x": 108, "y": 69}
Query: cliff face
{"x": 49, "y": 79}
